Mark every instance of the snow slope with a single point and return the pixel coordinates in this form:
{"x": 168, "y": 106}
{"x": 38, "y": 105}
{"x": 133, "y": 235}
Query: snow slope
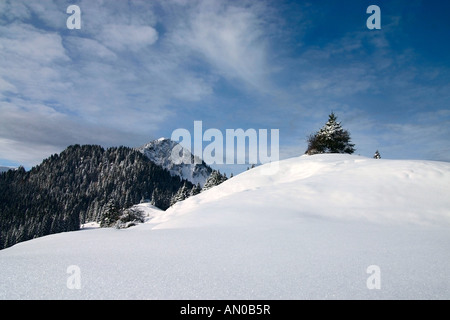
{"x": 149, "y": 212}
{"x": 159, "y": 151}
{"x": 338, "y": 187}
{"x": 310, "y": 231}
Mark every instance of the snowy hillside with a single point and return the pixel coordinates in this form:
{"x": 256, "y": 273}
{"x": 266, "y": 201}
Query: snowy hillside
{"x": 314, "y": 230}
{"x": 338, "y": 187}
{"x": 159, "y": 151}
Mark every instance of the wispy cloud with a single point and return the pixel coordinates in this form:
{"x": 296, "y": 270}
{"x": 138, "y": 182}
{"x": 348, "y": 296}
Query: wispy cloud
{"x": 232, "y": 38}
{"x": 118, "y": 73}
{"x": 128, "y": 37}
{"x": 140, "y": 69}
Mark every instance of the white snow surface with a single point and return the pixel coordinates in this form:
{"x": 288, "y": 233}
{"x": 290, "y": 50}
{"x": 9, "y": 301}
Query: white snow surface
{"x": 309, "y": 231}
{"x": 149, "y": 210}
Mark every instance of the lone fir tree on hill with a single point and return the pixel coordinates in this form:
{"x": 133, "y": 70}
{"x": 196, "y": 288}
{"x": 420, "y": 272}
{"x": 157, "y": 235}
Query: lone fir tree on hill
{"x": 331, "y": 138}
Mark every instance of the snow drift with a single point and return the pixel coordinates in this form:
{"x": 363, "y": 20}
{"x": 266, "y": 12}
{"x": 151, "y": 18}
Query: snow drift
{"x": 328, "y": 186}
{"x": 311, "y": 231}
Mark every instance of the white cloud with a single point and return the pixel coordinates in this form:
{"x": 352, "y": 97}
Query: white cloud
{"x": 25, "y": 153}
{"x": 137, "y": 66}
{"x": 128, "y": 37}
{"x": 30, "y": 132}
{"x": 5, "y": 86}
{"x": 11, "y": 10}
{"x": 51, "y": 12}
{"x": 30, "y": 44}
{"x": 31, "y": 72}
{"x": 231, "y": 38}
{"x": 88, "y": 49}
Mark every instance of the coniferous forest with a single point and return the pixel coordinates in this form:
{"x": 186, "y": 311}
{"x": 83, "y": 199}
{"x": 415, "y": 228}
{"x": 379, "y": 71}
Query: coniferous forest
{"x": 77, "y": 186}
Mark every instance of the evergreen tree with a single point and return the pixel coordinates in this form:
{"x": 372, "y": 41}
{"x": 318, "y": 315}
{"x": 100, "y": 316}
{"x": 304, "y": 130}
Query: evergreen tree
{"x": 182, "y": 194}
{"x": 196, "y": 189}
{"x": 110, "y": 215}
{"x": 214, "y": 179}
{"x": 130, "y": 217}
{"x": 377, "y": 155}
{"x": 160, "y": 198}
{"x": 331, "y": 138}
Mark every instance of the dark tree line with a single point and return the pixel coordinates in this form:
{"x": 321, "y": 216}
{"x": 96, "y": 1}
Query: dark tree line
{"x": 77, "y": 186}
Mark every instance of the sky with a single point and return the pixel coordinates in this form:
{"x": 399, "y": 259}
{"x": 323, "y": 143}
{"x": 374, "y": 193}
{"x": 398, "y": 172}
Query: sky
{"x": 138, "y": 70}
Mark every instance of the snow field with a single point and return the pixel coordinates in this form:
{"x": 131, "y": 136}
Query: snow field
{"x": 311, "y": 231}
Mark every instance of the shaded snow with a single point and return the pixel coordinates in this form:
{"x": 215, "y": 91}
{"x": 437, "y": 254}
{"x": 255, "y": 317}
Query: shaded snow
{"x": 308, "y": 232}
{"x": 149, "y": 210}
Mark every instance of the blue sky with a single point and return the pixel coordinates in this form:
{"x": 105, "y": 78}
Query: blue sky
{"x": 138, "y": 70}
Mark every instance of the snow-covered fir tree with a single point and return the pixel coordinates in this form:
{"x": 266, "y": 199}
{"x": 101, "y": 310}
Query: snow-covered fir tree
{"x": 182, "y": 194}
{"x": 110, "y": 214}
{"x": 130, "y": 217}
{"x": 214, "y": 179}
{"x": 377, "y": 155}
{"x": 331, "y": 138}
{"x": 159, "y": 196}
{"x": 196, "y": 189}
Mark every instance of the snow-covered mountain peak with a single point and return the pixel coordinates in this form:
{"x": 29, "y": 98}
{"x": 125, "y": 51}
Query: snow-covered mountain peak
{"x": 159, "y": 151}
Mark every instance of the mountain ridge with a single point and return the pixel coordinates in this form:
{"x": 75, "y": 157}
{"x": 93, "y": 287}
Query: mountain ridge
{"x": 77, "y": 186}
{"x": 160, "y": 152}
